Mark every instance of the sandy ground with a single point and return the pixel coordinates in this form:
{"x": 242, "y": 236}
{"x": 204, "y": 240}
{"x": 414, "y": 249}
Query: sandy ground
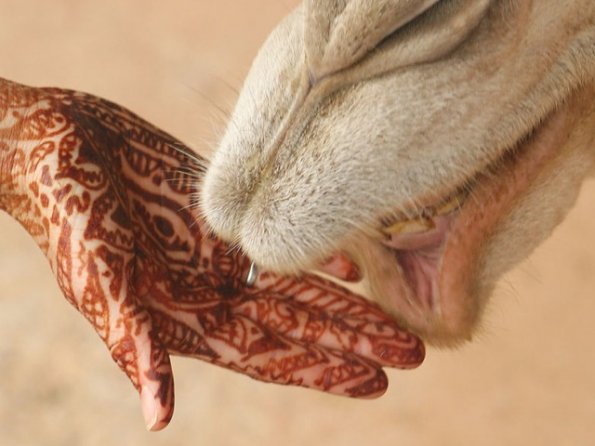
{"x": 528, "y": 380}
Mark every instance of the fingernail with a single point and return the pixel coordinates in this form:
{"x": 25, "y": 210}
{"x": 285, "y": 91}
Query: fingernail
{"x": 149, "y": 409}
{"x": 341, "y": 267}
{"x": 353, "y": 274}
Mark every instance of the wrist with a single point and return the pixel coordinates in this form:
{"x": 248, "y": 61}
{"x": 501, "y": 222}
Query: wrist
{"x": 17, "y": 105}
{"x": 12, "y": 162}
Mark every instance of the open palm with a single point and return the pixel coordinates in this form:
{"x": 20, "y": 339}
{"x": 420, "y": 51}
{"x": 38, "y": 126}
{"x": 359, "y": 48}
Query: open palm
{"x": 108, "y": 198}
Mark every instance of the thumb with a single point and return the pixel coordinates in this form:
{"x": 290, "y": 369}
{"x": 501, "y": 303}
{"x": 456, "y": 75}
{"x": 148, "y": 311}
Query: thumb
{"x": 133, "y": 346}
{"x": 97, "y": 284}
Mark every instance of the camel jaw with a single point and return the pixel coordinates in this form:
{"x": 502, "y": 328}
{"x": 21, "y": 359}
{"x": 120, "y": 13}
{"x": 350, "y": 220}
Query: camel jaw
{"x": 435, "y": 274}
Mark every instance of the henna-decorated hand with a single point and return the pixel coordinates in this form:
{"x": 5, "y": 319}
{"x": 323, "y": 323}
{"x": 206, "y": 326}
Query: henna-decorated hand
{"x": 107, "y": 197}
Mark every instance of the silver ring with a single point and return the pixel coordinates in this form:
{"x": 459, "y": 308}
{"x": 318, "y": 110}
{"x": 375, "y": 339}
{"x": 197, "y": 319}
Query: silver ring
{"x": 252, "y": 274}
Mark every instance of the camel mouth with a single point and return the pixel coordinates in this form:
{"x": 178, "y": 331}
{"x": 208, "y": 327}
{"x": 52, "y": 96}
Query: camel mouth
{"x": 417, "y": 245}
{"x": 404, "y": 264}
{"x": 427, "y": 271}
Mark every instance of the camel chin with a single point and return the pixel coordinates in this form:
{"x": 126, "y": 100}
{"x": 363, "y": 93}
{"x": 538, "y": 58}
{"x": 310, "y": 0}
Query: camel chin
{"x": 436, "y": 146}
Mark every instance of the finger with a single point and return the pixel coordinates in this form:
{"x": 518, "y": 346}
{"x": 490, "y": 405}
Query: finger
{"x": 251, "y": 349}
{"x": 147, "y": 364}
{"x": 314, "y": 367}
{"x": 97, "y": 286}
{"x": 382, "y": 342}
{"x": 321, "y": 294}
{"x": 342, "y": 268}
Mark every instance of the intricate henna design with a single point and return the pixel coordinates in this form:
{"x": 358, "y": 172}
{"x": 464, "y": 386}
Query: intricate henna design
{"x": 107, "y": 197}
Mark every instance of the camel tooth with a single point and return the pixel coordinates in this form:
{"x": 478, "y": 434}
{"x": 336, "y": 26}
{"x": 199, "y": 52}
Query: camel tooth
{"x": 410, "y": 226}
{"x": 452, "y": 204}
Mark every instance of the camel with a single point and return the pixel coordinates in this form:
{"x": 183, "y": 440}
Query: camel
{"x": 436, "y": 143}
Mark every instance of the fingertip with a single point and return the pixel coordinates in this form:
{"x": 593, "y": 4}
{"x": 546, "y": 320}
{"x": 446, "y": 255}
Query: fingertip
{"x": 342, "y": 268}
{"x": 156, "y": 416}
{"x": 404, "y": 352}
{"x": 148, "y": 367}
{"x": 156, "y": 386}
{"x": 372, "y": 388}
{"x": 148, "y": 407}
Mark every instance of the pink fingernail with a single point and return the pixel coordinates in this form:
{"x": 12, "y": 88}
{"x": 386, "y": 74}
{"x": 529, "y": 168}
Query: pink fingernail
{"x": 149, "y": 408}
{"x": 342, "y": 268}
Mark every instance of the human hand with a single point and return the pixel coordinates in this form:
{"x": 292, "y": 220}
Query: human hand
{"x": 108, "y": 198}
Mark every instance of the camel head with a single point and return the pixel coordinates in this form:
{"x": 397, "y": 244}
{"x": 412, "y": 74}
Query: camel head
{"x": 435, "y": 142}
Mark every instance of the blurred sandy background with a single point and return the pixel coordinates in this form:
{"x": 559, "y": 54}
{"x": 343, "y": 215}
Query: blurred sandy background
{"x": 528, "y": 380}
